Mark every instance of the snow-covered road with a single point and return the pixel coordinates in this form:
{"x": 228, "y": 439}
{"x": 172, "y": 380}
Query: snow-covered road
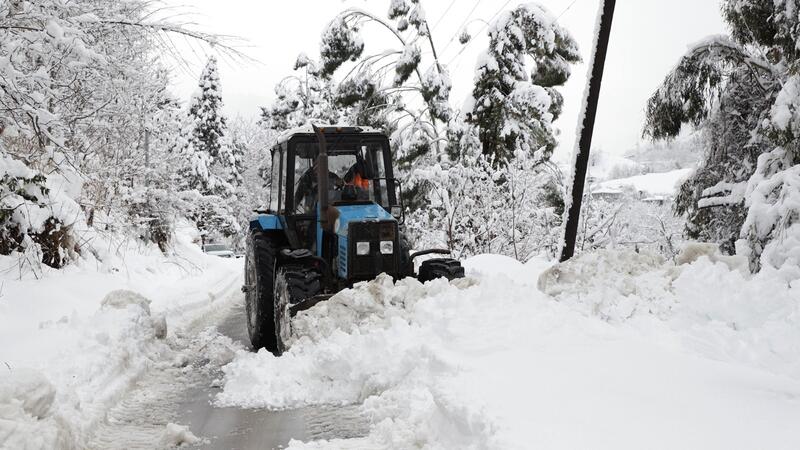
{"x": 87, "y": 363}
{"x": 613, "y": 350}
{"x": 241, "y": 428}
{"x": 616, "y": 351}
{"x": 183, "y": 394}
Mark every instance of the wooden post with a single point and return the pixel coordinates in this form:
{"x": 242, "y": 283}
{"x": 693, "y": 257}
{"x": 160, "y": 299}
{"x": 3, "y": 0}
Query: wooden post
{"x": 585, "y": 143}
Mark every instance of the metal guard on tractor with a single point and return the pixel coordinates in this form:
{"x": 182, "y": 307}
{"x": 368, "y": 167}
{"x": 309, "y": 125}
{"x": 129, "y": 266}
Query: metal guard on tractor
{"x": 334, "y": 218}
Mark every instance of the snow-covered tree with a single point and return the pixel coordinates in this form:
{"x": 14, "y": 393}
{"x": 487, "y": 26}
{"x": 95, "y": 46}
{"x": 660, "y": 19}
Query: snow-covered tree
{"x": 381, "y": 87}
{"x": 206, "y": 111}
{"x": 206, "y": 145}
{"x": 515, "y": 110}
{"x": 212, "y": 163}
{"x": 82, "y": 103}
{"x": 303, "y": 97}
{"x": 743, "y": 91}
{"x": 34, "y": 220}
{"x": 475, "y": 206}
{"x": 254, "y": 141}
{"x": 631, "y": 222}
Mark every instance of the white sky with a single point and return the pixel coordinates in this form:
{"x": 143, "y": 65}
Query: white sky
{"x": 648, "y": 37}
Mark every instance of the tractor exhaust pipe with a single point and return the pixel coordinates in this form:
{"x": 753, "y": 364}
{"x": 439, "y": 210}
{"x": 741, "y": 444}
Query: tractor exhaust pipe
{"x": 322, "y": 175}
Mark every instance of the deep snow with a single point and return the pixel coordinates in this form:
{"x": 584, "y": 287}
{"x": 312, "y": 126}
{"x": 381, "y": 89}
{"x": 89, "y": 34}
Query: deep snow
{"x": 75, "y": 341}
{"x": 627, "y": 352}
{"x": 612, "y": 350}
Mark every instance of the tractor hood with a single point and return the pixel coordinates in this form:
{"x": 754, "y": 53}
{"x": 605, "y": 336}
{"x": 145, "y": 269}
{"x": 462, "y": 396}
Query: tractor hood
{"x": 359, "y": 224}
{"x": 347, "y": 214}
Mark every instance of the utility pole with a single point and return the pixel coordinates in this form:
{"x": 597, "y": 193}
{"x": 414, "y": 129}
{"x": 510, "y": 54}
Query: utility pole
{"x": 590, "y": 113}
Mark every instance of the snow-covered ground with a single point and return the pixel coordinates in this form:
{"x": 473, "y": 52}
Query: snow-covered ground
{"x": 613, "y": 350}
{"x": 664, "y": 183}
{"x": 76, "y": 340}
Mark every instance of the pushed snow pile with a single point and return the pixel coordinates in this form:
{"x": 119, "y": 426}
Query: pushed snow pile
{"x": 504, "y": 266}
{"x": 177, "y": 435}
{"x": 691, "y": 252}
{"x": 214, "y": 347}
{"x": 121, "y": 299}
{"x": 26, "y": 399}
{"x": 94, "y": 328}
{"x": 602, "y": 269}
{"x": 709, "y": 359}
{"x": 710, "y": 297}
{"x": 328, "y": 340}
{"x": 30, "y": 389}
{"x": 611, "y": 284}
{"x": 95, "y": 360}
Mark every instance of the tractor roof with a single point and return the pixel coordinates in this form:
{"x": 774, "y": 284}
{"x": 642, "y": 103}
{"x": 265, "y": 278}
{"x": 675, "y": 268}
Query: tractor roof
{"x": 327, "y": 129}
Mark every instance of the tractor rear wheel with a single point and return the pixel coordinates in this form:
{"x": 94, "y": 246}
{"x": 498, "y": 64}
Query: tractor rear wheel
{"x": 440, "y": 268}
{"x": 293, "y": 284}
{"x": 262, "y": 252}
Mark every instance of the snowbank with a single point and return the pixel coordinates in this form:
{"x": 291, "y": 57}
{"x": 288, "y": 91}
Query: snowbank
{"x": 76, "y": 340}
{"x": 628, "y": 352}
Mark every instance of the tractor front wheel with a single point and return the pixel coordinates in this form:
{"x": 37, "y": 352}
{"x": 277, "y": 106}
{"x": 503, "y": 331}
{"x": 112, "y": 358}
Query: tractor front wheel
{"x": 259, "y": 273}
{"x": 440, "y": 268}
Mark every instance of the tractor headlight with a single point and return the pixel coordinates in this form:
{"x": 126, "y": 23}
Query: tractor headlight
{"x": 387, "y": 247}
{"x": 397, "y": 212}
{"x": 362, "y": 248}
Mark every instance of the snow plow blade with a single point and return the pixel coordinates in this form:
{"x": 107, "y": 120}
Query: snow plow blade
{"x": 307, "y": 303}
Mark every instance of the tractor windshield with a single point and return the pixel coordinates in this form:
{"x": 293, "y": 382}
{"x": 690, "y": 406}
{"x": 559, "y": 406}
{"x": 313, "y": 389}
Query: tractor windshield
{"x": 354, "y": 174}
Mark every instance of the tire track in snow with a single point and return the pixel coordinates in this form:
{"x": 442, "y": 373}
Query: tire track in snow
{"x": 139, "y": 419}
{"x": 180, "y": 391}
{"x": 228, "y": 428}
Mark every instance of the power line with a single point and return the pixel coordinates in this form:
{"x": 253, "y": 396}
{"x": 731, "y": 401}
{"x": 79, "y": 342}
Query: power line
{"x": 474, "y": 7}
{"x": 447, "y": 10}
{"x": 566, "y": 9}
{"x": 485, "y": 25}
{"x": 495, "y": 14}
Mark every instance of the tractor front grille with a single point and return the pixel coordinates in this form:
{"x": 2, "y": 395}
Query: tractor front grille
{"x": 366, "y": 267}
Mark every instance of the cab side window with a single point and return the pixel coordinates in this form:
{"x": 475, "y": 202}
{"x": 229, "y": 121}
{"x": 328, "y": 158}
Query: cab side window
{"x": 276, "y": 180}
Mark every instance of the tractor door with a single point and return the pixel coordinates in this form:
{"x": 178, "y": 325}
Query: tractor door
{"x": 385, "y": 187}
{"x": 301, "y": 201}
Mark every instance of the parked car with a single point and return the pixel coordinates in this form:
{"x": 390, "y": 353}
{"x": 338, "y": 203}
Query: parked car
{"x": 220, "y": 250}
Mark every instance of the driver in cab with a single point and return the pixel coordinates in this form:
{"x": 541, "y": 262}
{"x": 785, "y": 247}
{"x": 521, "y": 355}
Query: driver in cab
{"x": 354, "y": 185}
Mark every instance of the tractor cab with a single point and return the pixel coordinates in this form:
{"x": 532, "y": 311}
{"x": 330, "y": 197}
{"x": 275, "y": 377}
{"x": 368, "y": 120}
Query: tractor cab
{"x": 334, "y": 218}
{"x": 317, "y": 209}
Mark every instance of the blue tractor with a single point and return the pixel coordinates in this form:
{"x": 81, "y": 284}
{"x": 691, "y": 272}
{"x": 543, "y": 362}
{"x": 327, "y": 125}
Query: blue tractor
{"x": 333, "y": 219}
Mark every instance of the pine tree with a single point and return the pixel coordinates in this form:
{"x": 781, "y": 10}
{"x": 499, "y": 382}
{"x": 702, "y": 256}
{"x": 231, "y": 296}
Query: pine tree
{"x": 206, "y": 109}
{"x": 206, "y": 146}
{"x": 515, "y": 111}
{"x": 212, "y": 165}
{"x": 742, "y": 91}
